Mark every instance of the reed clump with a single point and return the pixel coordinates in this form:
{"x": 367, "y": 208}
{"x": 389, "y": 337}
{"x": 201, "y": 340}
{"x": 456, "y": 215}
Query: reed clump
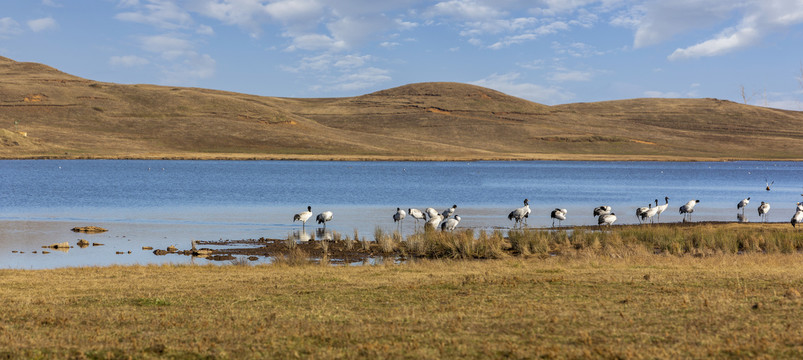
{"x": 622, "y": 241}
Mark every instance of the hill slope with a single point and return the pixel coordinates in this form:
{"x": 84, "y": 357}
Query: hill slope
{"x": 65, "y": 116}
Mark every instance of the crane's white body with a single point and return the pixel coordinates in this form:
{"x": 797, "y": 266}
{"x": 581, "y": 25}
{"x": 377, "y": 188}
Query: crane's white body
{"x": 687, "y": 209}
{"x": 303, "y": 216}
{"x": 743, "y": 204}
{"x": 324, "y": 217}
{"x": 606, "y": 219}
{"x": 602, "y": 210}
{"x": 434, "y": 221}
{"x": 798, "y": 217}
{"x": 520, "y": 214}
{"x": 558, "y": 214}
{"x": 662, "y": 208}
{"x": 763, "y": 210}
{"x": 450, "y": 224}
{"x": 416, "y": 214}
{"x": 448, "y": 212}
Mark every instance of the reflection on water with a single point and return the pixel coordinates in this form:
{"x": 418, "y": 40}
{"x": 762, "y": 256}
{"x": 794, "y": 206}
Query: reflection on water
{"x": 300, "y": 235}
{"x": 742, "y": 218}
{"x": 324, "y": 234}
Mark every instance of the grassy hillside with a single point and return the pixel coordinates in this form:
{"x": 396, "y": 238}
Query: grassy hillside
{"x": 66, "y": 116}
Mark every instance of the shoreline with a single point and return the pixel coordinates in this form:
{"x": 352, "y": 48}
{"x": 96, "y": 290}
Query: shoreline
{"x": 381, "y": 158}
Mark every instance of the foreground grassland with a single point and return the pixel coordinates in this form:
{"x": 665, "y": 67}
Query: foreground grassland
{"x": 616, "y": 299}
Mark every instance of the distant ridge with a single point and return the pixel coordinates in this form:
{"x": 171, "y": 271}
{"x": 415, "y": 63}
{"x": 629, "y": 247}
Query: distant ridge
{"x": 59, "y": 115}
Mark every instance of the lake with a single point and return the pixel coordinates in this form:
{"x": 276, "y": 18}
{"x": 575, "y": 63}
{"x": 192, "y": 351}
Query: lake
{"x": 161, "y": 203}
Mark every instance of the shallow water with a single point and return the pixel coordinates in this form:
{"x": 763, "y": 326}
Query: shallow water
{"x": 160, "y": 203}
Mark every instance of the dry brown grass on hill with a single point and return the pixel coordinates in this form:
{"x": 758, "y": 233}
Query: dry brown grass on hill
{"x": 67, "y": 116}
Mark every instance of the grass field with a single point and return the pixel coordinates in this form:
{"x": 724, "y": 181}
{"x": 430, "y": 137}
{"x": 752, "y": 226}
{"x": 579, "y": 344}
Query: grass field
{"x": 582, "y": 302}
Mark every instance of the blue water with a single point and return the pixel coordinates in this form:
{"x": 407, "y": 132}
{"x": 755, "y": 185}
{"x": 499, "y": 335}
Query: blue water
{"x": 157, "y": 203}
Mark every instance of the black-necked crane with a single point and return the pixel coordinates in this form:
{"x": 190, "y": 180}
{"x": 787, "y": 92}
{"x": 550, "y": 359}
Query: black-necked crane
{"x": 431, "y": 212}
{"x": 416, "y": 214}
{"x": 687, "y": 209}
{"x": 450, "y": 224}
{"x": 641, "y": 212}
{"x": 399, "y": 216}
{"x": 323, "y": 218}
{"x": 798, "y": 217}
{"x": 652, "y": 211}
{"x": 558, "y": 214}
{"x": 433, "y": 222}
{"x": 606, "y": 219}
{"x": 448, "y": 212}
{"x": 662, "y": 208}
{"x": 303, "y": 216}
{"x": 602, "y": 210}
{"x": 518, "y": 215}
{"x": 763, "y": 210}
{"x": 743, "y": 204}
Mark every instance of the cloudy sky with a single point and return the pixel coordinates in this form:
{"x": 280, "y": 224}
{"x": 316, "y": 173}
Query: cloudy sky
{"x": 547, "y": 51}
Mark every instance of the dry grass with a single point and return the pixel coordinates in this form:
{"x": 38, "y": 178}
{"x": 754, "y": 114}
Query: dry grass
{"x": 70, "y": 117}
{"x": 639, "y": 306}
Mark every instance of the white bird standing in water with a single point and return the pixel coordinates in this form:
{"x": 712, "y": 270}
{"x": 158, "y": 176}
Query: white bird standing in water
{"x": 798, "y": 217}
{"x": 450, "y": 224}
{"x": 303, "y": 216}
{"x": 687, "y": 209}
{"x": 323, "y": 217}
{"x": 558, "y": 214}
{"x": 434, "y": 221}
{"x": 448, "y": 212}
{"x": 519, "y": 214}
{"x": 417, "y": 215}
{"x": 642, "y": 211}
{"x": 606, "y": 219}
{"x": 743, "y": 204}
{"x": 431, "y": 212}
{"x": 763, "y": 210}
{"x": 662, "y": 208}
{"x": 399, "y": 216}
{"x": 652, "y": 211}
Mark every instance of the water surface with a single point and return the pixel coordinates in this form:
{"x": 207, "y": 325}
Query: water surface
{"x": 159, "y": 203}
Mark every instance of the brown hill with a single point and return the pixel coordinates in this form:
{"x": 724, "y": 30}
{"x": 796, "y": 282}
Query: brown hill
{"x": 65, "y": 116}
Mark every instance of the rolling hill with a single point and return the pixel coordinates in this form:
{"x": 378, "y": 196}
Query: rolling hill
{"x": 59, "y": 115}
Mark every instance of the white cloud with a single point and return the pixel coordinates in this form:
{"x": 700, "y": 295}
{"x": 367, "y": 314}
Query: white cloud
{"x": 531, "y": 35}
{"x": 50, "y": 3}
{"x": 191, "y": 68}
{"x": 570, "y": 75}
{"x": 352, "y": 61}
{"x": 464, "y": 9}
{"x": 362, "y": 79}
{"x": 576, "y": 49}
{"x": 725, "y": 42}
{"x": 205, "y": 30}
{"x": 169, "y": 46}
{"x": 128, "y": 61}
{"x": 160, "y": 13}
{"x": 315, "y": 42}
{"x": 756, "y": 19}
{"x": 9, "y": 27}
{"x": 38, "y": 25}
{"x": 508, "y": 84}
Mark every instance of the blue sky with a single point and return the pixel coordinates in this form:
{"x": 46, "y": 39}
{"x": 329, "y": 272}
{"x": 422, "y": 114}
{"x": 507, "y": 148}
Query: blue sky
{"x": 547, "y": 51}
